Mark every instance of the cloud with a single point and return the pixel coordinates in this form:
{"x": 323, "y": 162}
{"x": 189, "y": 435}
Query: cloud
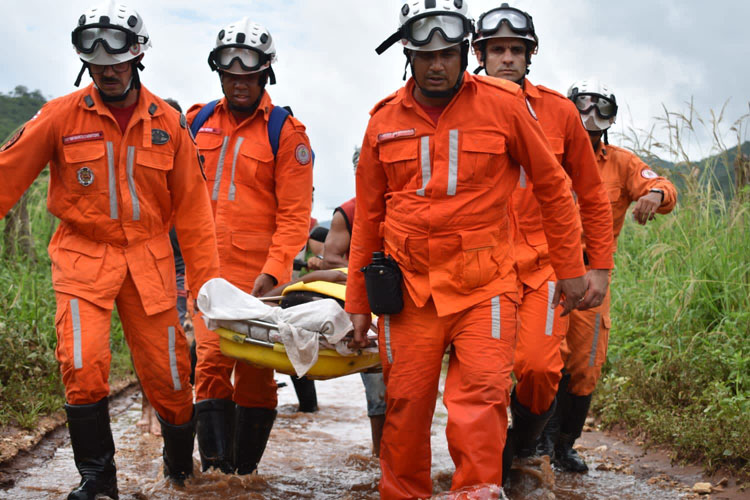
{"x": 652, "y": 53}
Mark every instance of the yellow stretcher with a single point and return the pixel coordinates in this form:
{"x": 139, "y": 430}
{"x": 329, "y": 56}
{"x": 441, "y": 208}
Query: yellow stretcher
{"x": 266, "y": 354}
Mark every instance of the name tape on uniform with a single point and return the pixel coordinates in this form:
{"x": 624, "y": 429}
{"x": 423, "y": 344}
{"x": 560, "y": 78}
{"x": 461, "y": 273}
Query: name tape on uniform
{"x": 88, "y": 136}
{"x": 389, "y": 136}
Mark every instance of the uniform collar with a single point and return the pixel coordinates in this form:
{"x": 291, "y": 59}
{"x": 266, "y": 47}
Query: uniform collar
{"x": 530, "y": 89}
{"x": 601, "y": 151}
{"x": 406, "y": 95}
{"x": 265, "y": 106}
{"x": 146, "y": 106}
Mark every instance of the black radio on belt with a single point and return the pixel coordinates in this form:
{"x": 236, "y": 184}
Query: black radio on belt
{"x": 383, "y": 284}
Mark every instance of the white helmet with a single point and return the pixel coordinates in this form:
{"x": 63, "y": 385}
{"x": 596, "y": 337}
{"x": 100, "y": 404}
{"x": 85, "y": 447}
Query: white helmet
{"x": 596, "y": 103}
{"x": 421, "y": 20}
{"x": 110, "y": 33}
{"x": 243, "y": 47}
{"x": 506, "y": 22}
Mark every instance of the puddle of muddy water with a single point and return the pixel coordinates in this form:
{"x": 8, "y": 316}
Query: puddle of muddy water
{"x": 325, "y": 455}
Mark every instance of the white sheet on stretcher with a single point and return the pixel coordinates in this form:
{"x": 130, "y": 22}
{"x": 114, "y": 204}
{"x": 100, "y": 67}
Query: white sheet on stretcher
{"x": 302, "y": 328}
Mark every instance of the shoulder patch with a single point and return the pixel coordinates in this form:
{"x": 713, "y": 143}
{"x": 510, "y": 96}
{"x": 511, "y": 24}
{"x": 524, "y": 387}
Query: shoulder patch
{"x": 647, "y": 173}
{"x": 302, "y": 153}
{"x": 12, "y": 140}
{"x": 383, "y": 102}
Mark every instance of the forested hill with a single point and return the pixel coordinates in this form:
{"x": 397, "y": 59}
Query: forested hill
{"x": 16, "y": 108}
{"x": 720, "y": 168}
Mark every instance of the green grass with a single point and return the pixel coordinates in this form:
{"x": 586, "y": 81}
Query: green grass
{"x": 30, "y": 382}
{"x": 678, "y": 367}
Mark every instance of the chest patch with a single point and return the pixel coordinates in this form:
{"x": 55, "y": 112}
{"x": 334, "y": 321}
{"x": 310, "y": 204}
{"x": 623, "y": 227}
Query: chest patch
{"x": 389, "y": 136}
{"x": 87, "y": 136}
{"x": 85, "y": 176}
{"x": 159, "y": 136}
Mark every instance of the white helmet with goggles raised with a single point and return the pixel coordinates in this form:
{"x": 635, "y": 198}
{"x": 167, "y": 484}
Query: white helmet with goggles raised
{"x": 242, "y": 48}
{"x": 506, "y": 22}
{"x": 596, "y": 103}
{"x": 427, "y": 25}
{"x": 110, "y": 33}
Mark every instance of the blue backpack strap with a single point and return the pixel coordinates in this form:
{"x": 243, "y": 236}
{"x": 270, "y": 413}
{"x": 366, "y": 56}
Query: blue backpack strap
{"x": 203, "y": 115}
{"x": 275, "y": 123}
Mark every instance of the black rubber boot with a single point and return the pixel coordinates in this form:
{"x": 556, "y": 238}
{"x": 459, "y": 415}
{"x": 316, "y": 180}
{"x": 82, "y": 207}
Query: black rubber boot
{"x": 571, "y": 426}
{"x": 548, "y": 437}
{"x": 523, "y": 434}
{"x": 178, "y": 450}
{"x": 213, "y": 425}
{"x": 252, "y": 426}
{"x": 305, "y": 389}
{"x": 93, "y": 450}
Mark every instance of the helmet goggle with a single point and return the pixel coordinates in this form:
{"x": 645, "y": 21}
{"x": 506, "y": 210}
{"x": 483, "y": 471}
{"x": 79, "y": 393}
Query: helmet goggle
{"x": 419, "y": 30}
{"x": 605, "y": 107}
{"x": 248, "y": 58}
{"x": 517, "y": 20}
{"x": 113, "y": 38}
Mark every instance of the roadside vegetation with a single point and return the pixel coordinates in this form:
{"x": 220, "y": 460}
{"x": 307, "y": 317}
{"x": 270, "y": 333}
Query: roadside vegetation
{"x": 678, "y": 370}
{"x": 30, "y": 382}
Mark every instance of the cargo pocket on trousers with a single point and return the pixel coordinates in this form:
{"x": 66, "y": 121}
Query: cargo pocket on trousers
{"x": 480, "y": 263}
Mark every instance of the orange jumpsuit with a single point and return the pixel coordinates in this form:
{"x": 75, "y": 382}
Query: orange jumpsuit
{"x": 116, "y": 195}
{"x": 538, "y": 363}
{"x": 626, "y": 179}
{"x": 261, "y": 208}
{"x": 436, "y": 198}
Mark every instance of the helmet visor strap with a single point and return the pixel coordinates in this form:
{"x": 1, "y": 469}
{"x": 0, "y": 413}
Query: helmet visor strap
{"x": 605, "y": 107}
{"x": 421, "y": 30}
{"x": 247, "y": 58}
{"x": 515, "y": 19}
{"x": 114, "y": 39}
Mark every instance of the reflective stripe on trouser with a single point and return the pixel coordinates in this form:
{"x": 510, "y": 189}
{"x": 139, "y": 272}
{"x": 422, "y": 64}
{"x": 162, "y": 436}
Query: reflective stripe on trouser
{"x": 477, "y": 393}
{"x": 585, "y": 347}
{"x": 157, "y": 345}
{"x": 538, "y": 362}
{"x": 253, "y": 387}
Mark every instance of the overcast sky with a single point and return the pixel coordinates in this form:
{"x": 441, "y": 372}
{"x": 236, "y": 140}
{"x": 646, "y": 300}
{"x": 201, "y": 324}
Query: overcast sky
{"x": 653, "y": 53}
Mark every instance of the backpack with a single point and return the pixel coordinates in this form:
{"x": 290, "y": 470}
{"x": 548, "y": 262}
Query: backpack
{"x": 276, "y": 121}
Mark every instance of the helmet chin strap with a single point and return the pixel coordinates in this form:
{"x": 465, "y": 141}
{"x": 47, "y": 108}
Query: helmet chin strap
{"x": 441, "y": 94}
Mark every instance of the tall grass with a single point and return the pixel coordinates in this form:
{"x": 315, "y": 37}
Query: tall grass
{"x": 30, "y": 382}
{"x": 678, "y": 367}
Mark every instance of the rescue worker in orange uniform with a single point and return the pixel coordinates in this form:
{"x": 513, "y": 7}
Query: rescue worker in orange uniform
{"x": 261, "y": 206}
{"x": 123, "y": 167}
{"x": 627, "y": 179}
{"x": 439, "y": 161}
{"x": 504, "y": 42}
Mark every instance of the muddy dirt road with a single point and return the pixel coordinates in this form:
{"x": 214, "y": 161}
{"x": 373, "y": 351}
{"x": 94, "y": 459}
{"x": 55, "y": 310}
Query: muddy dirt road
{"x": 325, "y": 455}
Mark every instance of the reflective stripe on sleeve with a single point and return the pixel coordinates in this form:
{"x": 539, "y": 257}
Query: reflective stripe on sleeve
{"x": 522, "y": 178}
{"x": 550, "y": 324}
{"x": 173, "y": 360}
{"x": 387, "y": 334}
{"x": 426, "y": 166}
{"x": 496, "y": 326}
{"x": 75, "y": 315}
{"x": 131, "y": 184}
{"x": 597, "y": 323}
{"x": 232, "y": 188}
{"x": 452, "y": 162}
{"x": 112, "y": 181}
{"x": 220, "y": 168}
